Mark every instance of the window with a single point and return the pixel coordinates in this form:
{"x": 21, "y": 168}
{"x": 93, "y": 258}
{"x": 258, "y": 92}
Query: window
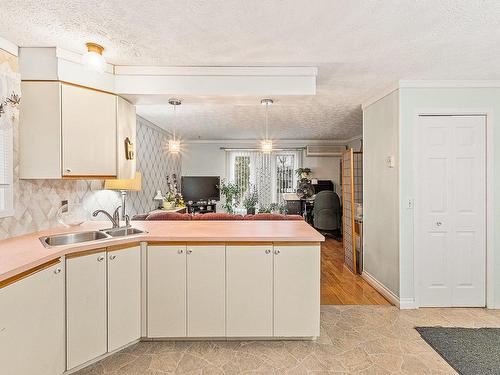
{"x": 271, "y": 175}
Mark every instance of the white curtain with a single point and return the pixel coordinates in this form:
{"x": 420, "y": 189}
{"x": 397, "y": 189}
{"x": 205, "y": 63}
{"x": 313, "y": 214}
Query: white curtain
{"x": 270, "y": 174}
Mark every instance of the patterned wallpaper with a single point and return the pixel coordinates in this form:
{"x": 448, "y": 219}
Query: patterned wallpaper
{"x": 37, "y": 201}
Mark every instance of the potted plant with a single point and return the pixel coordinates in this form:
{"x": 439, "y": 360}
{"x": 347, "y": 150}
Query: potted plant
{"x": 169, "y": 203}
{"x": 303, "y": 173}
{"x": 231, "y": 192}
{"x": 250, "y": 201}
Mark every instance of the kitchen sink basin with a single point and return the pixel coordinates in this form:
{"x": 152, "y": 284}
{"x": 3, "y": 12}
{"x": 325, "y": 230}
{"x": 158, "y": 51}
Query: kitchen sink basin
{"x": 73, "y": 238}
{"x": 121, "y": 232}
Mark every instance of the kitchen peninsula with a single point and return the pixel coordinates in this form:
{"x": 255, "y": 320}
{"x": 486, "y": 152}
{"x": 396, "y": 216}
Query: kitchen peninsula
{"x": 177, "y": 280}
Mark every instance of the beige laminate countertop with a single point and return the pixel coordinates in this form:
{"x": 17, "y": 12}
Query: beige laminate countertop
{"x": 19, "y": 254}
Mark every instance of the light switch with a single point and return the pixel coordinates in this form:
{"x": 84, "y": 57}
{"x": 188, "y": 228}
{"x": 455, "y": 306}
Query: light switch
{"x": 389, "y": 161}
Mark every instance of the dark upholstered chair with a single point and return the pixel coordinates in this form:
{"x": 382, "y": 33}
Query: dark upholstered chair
{"x": 327, "y": 212}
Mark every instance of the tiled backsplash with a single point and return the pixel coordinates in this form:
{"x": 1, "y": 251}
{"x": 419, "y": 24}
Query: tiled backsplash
{"x": 37, "y": 201}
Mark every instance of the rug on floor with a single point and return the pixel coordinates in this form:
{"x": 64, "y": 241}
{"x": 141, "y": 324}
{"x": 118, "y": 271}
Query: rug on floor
{"x": 470, "y": 351}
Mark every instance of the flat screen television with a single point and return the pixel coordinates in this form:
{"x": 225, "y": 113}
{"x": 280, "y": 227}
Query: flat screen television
{"x": 200, "y": 188}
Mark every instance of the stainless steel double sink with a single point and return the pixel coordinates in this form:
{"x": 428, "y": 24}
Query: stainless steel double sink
{"x": 95, "y": 235}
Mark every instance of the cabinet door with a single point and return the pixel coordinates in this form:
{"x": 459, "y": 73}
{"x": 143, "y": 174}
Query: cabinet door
{"x": 166, "y": 290}
{"x": 124, "y": 296}
{"x": 296, "y": 290}
{"x": 206, "y": 282}
{"x": 32, "y": 324}
{"x": 126, "y": 129}
{"x": 249, "y": 290}
{"x": 86, "y": 332}
{"x": 88, "y": 132}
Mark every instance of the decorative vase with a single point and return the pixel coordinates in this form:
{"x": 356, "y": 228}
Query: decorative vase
{"x": 251, "y": 211}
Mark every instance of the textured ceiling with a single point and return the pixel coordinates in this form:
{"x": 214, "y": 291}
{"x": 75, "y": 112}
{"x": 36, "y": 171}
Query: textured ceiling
{"x": 359, "y": 46}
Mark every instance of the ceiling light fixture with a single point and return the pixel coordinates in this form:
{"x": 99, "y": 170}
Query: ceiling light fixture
{"x": 93, "y": 58}
{"x": 266, "y": 145}
{"x": 174, "y": 145}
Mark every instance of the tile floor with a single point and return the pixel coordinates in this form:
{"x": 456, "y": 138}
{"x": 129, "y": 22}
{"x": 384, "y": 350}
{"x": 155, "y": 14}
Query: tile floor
{"x": 354, "y": 340}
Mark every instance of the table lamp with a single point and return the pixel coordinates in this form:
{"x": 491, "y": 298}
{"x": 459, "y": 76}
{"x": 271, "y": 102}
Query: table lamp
{"x": 124, "y": 185}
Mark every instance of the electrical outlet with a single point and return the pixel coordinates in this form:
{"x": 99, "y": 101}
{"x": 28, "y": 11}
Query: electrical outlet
{"x": 410, "y": 204}
{"x": 64, "y": 203}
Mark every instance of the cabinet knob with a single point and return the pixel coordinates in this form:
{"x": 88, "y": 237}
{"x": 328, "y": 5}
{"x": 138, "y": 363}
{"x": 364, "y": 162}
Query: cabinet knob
{"x": 189, "y": 251}
{"x": 112, "y": 257}
{"x": 180, "y": 251}
{"x": 277, "y": 252}
{"x": 57, "y": 271}
{"x": 67, "y": 170}
{"x": 268, "y": 251}
{"x": 100, "y": 258}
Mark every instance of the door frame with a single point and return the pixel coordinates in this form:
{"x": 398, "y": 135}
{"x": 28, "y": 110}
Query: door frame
{"x": 489, "y": 266}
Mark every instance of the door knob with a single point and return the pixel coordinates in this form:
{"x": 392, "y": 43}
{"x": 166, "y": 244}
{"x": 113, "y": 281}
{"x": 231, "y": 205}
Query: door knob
{"x": 438, "y": 223}
{"x": 277, "y": 252}
{"x": 268, "y": 251}
{"x": 189, "y": 251}
{"x": 100, "y": 259}
{"x": 57, "y": 270}
{"x": 180, "y": 251}
{"x": 112, "y": 257}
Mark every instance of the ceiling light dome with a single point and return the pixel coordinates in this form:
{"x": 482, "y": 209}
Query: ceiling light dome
{"x": 93, "y": 58}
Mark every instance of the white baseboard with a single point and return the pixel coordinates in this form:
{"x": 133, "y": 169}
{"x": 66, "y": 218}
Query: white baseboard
{"x": 381, "y": 288}
{"x": 407, "y": 303}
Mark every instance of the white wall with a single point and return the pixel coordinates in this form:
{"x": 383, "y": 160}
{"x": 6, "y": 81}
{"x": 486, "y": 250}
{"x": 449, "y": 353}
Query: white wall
{"x": 380, "y": 192}
{"x": 205, "y": 159}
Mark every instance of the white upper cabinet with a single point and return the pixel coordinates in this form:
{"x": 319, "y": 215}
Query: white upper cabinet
{"x": 32, "y": 324}
{"x": 71, "y": 131}
{"x": 88, "y": 132}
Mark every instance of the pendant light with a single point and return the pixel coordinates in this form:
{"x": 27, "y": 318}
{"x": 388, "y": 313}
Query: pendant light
{"x": 266, "y": 144}
{"x": 174, "y": 144}
{"x": 93, "y": 58}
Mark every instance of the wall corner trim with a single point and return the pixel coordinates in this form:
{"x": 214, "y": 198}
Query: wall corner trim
{"x": 9, "y": 47}
{"x": 382, "y": 289}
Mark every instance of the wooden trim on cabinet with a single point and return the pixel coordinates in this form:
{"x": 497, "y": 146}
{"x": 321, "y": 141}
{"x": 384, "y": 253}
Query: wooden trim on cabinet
{"x": 88, "y": 177}
{"x": 123, "y": 246}
{"x": 249, "y": 243}
{"x": 297, "y": 243}
{"x": 23, "y": 275}
{"x": 69, "y": 84}
{"x": 85, "y": 252}
{"x": 206, "y": 243}
{"x": 166, "y": 243}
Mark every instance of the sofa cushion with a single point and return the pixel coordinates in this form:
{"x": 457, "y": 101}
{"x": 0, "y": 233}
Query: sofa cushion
{"x": 273, "y": 217}
{"x": 217, "y": 216}
{"x": 140, "y": 217}
{"x": 168, "y": 216}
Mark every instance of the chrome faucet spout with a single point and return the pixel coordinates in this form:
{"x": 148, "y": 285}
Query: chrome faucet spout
{"x": 115, "y": 223}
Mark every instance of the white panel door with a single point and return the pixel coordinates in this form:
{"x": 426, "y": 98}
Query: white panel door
{"x": 296, "y": 290}
{"x": 86, "y": 331}
{"x": 124, "y": 296}
{"x": 166, "y": 284}
{"x": 88, "y": 132}
{"x": 249, "y": 290}
{"x": 32, "y": 324}
{"x": 206, "y": 289}
{"x": 450, "y": 220}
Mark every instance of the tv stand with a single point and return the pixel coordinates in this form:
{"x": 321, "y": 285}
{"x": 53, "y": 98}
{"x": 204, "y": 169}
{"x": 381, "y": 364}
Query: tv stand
{"x": 201, "y": 208}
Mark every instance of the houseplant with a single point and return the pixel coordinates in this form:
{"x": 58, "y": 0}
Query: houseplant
{"x": 250, "y": 201}
{"x": 231, "y": 192}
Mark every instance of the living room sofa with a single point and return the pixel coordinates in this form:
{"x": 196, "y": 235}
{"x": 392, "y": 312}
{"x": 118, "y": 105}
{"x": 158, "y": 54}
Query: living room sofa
{"x": 171, "y": 216}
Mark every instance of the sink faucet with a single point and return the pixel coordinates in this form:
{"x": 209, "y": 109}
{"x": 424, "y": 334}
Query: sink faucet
{"x": 115, "y": 218}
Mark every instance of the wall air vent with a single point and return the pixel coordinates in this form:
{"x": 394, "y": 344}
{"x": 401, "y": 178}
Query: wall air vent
{"x": 325, "y": 150}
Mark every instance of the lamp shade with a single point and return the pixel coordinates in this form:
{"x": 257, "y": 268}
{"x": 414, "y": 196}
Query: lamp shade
{"x": 124, "y": 184}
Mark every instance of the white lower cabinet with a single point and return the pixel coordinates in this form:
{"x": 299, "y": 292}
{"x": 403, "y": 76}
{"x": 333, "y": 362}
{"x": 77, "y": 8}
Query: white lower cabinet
{"x": 296, "y": 290}
{"x": 85, "y": 308}
{"x": 166, "y": 291}
{"x": 124, "y": 296}
{"x": 32, "y": 324}
{"x": 249, "y": 291}
{"x": 206, "y": 285}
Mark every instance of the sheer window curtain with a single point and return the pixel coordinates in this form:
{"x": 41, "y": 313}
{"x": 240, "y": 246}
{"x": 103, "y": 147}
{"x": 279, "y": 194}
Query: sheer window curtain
{"x": 271, "y": 174}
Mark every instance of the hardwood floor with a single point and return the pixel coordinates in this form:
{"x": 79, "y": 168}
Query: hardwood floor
{"x": 339, "y": 286}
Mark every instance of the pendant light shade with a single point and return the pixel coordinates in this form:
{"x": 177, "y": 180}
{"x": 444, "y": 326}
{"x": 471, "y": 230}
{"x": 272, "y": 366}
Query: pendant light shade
{"x": 266, "y": 144}
{"x": 174, "y": 144}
